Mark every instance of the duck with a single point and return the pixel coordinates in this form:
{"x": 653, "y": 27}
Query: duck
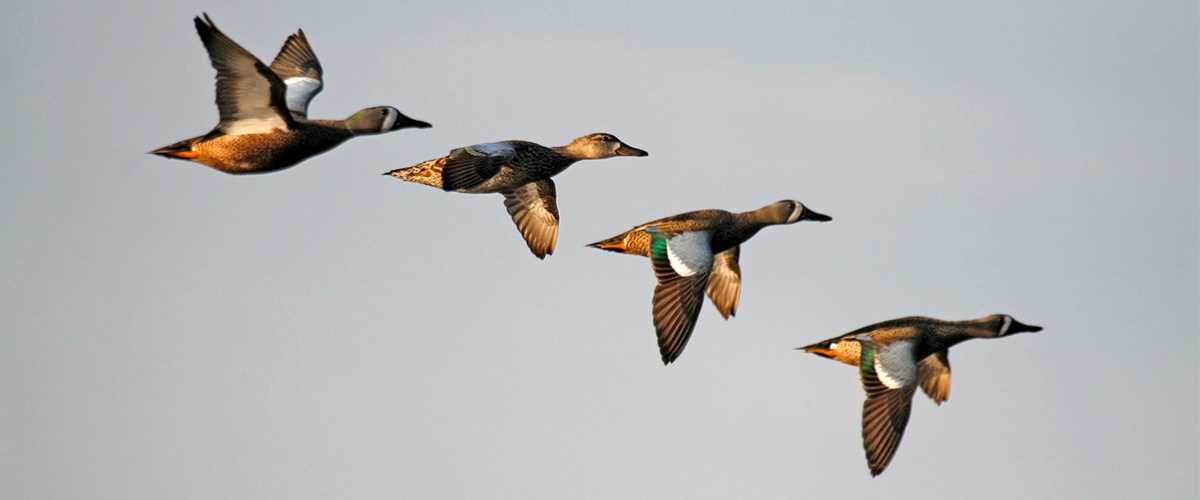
{"x": 264, "y": 125}
{"x": 894, "y": 357}
{"x": 521, "y": 171}
{"x": 695, "y": 253}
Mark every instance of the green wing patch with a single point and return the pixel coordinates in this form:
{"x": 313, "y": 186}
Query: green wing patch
{"x": 658, "y": 245}
{"x": 866, "y": 360}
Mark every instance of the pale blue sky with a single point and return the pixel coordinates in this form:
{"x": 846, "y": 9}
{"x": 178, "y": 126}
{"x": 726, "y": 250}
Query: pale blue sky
{"x": 326, "y": 332}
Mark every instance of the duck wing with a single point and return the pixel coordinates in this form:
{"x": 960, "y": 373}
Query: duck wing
{"x": 468, "y": 167}
{"x": 889, "y": 375}
{"x": 250, "y": 97}
{"x": 725, "y": 283}
{"x": 534, "y": 210}
{"x": 934, "y": 375}
{"x": 297, "y": 66}
{"x": 682, "y": 264}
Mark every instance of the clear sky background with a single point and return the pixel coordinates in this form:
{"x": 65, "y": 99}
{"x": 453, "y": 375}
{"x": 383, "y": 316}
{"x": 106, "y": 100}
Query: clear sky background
{"x": 169, "y": 331}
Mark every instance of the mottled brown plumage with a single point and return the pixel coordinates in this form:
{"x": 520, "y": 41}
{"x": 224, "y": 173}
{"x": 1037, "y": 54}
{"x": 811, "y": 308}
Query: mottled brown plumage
{"x": 521, "y": 171}
{"x": 263, "y": 153}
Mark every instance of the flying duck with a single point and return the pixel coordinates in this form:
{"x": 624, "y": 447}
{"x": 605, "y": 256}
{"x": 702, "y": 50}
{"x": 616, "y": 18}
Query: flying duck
{"x": 697, "y": 251}
{"x": 521, "y": 171}
{"x": 264, "y": 124}
{"x": 896, "y": 356}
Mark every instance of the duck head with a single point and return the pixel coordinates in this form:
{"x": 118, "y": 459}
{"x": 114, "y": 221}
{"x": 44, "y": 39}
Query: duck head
{"x": 380, "y": 119}
{"x": 1002, "y": 325}
{"x": 598, "y": 146}
{"x": 791, "y": 212}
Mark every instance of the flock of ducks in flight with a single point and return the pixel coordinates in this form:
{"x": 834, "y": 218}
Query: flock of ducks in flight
{"x": 264, "y": 127}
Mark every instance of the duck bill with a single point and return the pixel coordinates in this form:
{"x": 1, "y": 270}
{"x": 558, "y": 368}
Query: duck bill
{"x": 406, "y": 122}
{"x": 814, "y": 215}
{"x": 627, "y": 150}
{"x": 1019, "y": 327}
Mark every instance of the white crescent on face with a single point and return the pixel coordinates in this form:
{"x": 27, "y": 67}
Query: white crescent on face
{"x": 690, "y": 253}
{"x": 389, "y": 119}
{"x": 1005, "y": 326}
{"x": 796, "y": 211}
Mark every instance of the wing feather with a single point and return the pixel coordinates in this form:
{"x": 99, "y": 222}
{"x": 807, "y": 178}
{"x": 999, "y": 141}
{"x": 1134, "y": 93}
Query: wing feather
{"x": 682, "y": 278}
{"x": 534, "y": 209}
{"x": 725, "y": 284}
{"x": 297, "y": 65}
{"x": 885, "y": 412}
{"x": 934, "y": 375}
{"x": 468, "y": 167}
{"x": 250, "y": 97}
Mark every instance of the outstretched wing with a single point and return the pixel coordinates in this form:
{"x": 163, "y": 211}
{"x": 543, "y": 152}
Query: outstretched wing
{"x": 250, "y": 98}
{"x": 535, "y": 212}
{"x": 468, "y": 167}
{"x": 682, "y": 265}
{"x": 298, "y": 67}
{"x": 934, "y": 375}
{"x": 725, "y": 284}
{"x": 888, "y": 377}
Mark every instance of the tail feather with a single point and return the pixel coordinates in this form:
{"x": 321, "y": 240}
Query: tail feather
{"x": 180, "y": 150}
{"x": 428, "y": 173}
{"x": 821, "y": 348}
{"x": 840, "y": 349}
{"x": 614, "y": 244}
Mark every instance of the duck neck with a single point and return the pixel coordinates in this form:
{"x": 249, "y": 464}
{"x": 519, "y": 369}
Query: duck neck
{"x": 982, "y": 328}
{"x": 756, "y": 219}
{"x": 565, "y": 152}
{"x": 953, "y": 332}
{"x": 570, "y": 154}
{"x": 747, "y": 224}
{"x": 337, "y": 127}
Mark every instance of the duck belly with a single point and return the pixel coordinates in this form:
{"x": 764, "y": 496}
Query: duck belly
{"x": 258, "y": 153}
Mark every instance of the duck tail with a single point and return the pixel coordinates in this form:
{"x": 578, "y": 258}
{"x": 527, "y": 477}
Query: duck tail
{"x": 820, "y": 349}
{"x": 428, "y": 173}
{"x": 614, "y": 244}
{"x": 182, "y": 150}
